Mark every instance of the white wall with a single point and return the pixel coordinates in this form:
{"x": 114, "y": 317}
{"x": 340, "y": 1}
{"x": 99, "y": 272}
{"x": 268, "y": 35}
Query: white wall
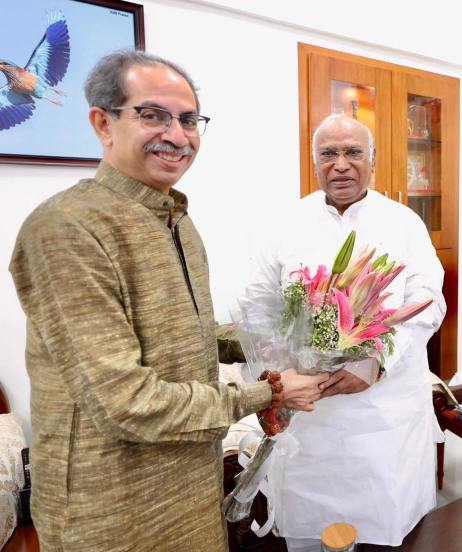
{"x": 420, "y": 27}
{"x": 245, "y": 63}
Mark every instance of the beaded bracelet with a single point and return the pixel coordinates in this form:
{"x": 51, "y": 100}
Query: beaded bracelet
{"x": 268, "y": 417}
{"x": 274, "y": 379}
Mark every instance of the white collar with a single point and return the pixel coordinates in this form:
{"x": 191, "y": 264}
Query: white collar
{"x": 353, "y": 208}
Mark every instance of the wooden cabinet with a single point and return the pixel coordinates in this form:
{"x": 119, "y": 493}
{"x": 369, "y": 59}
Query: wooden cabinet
{"x": 414, "y": 117}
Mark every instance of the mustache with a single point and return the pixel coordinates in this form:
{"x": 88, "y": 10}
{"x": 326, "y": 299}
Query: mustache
{"x": 168, "y": 148}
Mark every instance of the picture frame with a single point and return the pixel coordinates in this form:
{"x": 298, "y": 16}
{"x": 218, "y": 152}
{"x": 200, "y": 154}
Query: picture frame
{"x": 63, "y": 40}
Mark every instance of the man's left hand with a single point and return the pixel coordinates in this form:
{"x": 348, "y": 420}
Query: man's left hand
{"x": 342, "y": 383}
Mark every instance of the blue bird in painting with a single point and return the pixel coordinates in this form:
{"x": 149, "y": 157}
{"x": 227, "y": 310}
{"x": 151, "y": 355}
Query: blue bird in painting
{"x": 45, "y": 68}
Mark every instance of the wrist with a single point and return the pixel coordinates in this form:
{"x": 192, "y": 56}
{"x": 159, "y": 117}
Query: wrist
{"x": 268, "y": 418}
{"x": 277, "y": 388}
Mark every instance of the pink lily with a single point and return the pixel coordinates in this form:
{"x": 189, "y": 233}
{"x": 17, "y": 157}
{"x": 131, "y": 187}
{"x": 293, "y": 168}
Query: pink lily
{"x": 389, "y": 276}
{"x": 362, "y": 291}
{"x": 321, "y": 278}
{"x": 316, "y": 290}
{"x": 346, "y": 318}
{"x": 315, "y": 287}
{"x": 303, "y": 274}
{"x": 405, "y": 313}
{"x": 351, "y": 333}
{"x": 366, "y": 289}
{"x": 374, "y": 308}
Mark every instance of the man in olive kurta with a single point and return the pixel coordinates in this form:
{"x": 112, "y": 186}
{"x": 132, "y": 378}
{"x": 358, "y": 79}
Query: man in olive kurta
{"x": 127, "y": 414}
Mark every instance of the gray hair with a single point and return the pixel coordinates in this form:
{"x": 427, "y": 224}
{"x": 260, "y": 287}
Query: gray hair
{"x": 339, "y": 116}
{"x": 105, "y": 85}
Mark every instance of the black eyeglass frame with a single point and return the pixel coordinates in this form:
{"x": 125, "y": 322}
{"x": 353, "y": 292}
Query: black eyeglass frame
{"x": 139, "y": 108}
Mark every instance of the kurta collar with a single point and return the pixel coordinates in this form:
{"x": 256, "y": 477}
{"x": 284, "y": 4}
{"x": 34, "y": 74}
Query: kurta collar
{"x": 151, "y": 198}
{"x": 353, "y": 208}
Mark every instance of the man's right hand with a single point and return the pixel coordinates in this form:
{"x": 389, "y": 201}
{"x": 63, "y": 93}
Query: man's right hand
{"x": 300, "y": 392}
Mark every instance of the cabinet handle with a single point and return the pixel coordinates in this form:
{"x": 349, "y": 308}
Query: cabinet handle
{"x": 385, "y": 193}
{"x": 400, "y": 197}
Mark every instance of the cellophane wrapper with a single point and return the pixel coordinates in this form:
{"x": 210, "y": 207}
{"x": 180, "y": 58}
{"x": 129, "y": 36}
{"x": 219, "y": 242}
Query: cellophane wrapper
{"x": 268, "y": 344}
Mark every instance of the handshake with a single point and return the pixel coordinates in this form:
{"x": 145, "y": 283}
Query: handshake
{"x": 300, "y": 392}
{"x": 294, "y": 391}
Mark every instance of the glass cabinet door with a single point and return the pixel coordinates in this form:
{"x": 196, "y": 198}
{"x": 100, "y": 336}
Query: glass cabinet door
{"x": 424, "y": 159}
{"x": 425, "y": 128}
{"x": 355, "y": 100}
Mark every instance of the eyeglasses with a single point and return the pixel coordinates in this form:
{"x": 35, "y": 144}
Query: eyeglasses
{"x": 156, "y": 118}
{"x": 328, "y": 155}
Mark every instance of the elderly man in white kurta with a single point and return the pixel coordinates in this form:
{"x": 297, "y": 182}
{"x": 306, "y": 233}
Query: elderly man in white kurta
{"x": 366, "y": 455}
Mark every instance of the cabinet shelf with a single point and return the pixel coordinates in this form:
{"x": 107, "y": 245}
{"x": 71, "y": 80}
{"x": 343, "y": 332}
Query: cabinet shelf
{"x": 422, "y": 143}
{"x": 423, "y": 193}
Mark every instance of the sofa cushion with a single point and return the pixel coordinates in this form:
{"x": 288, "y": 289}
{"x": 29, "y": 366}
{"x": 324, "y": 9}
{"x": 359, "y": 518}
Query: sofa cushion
{"x": 11, "y": 473}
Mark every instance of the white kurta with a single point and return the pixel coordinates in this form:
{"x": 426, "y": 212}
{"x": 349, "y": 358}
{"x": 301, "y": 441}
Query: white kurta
{"x": 365, "y": 458}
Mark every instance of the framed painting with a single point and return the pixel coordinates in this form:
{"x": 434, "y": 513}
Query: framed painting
{"x": 47, "y": 49}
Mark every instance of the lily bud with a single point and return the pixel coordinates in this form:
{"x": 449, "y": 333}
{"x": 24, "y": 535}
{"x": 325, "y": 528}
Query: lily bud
{"x": 388, "y": 267}
{"x": 344, "y": 255}
{"x": 380, "y": 261}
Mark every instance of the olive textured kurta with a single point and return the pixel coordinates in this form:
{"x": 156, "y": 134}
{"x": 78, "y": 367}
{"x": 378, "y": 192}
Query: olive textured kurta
{"x": 127, "y": 416}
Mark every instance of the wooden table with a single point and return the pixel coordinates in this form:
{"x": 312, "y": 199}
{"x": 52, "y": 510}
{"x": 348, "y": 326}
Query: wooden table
{"x": 439, "y": 531}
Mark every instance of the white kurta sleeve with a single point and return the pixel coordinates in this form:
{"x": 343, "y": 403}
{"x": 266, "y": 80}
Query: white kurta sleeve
{"x": 259, "y": 295}
{"x": 424, "y": 280}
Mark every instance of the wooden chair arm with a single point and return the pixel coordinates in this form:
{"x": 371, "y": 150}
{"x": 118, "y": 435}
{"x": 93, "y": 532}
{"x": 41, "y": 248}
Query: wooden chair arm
{"x": 457, "y": 391}
{"x": 440, "y": 400}
{"x": 23, "y": 539}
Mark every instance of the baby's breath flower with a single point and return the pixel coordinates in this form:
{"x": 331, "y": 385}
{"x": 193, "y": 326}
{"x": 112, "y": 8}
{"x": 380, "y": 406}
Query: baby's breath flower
{"x": 294, "y": 297}
{"x": 325, "y": 333}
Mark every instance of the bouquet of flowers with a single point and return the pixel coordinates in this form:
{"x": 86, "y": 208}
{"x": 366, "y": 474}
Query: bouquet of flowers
{"x": 314, "y": 324}
{"x": 340, "y": 314}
